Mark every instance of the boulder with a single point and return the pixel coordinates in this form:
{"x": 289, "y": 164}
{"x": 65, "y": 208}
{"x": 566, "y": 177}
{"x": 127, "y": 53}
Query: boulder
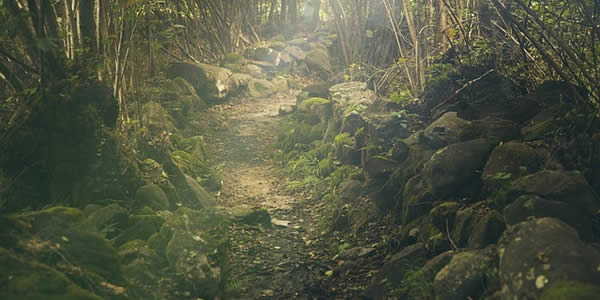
{"x": 318, "y": 60}
{"x": 465, "y": 276}
{"x": 385, "y": 128}
{"x": 443, "y": 216}
{"x": 26, "y": 279}
{"x": 156, "y": 118}
{"x": 318, "y": 107}
{"x": 487, "y": 230}
{"x": 447, "y": 128}
{"x": 535, "y": 255}
{"x": 352, "y": 122}
{"x": 567, "y": 187}
{"x": 151, "y": 195}
{"x": 267, "y": 55}
{"x": 352, "y": 93}
{"x": 260, "y": 88}
{"x": 452, "y": 168}
{"x": 416, "y": 199}
{"x": 254, "y": 71}
{"x": 212, "y": 83}
{"x": 508, "y": 162}
{"x": 111, "y": 219}
{"x": 250, "y": 215}
{"x": 141, "y": 228}
{"x": 494, "y": 129}
{"x": 529, "y": 205}
{"x": 295, "y": 52}
{"x": 379, "y": 166}
{"x": 241, "y": 80}
{"x": 204, "y": 198}
{"x": 280, "y": 84}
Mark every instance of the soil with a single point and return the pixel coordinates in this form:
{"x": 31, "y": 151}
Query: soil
{"x": 294, "y": 258}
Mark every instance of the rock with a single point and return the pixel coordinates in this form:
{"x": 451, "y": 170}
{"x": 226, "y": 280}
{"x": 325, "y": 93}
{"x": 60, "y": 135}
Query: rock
{"x": 250, "y": 215}
{"x": 385, "y": 127}
{"x": 260, "y": 88}
{"x": 265, "y": 65}
{"x": 507, "y": 162}
{"x": 416, "y": 199}
{"x": 356, "y": 252}
{"x": 280, "y": 84}
{"x": 379, "y": 166}
{"x": 455, "y": 166}
{"x": 567, "y": 187}
{"x": 266, "y": 54}
{"x": 536, "y": 254}
{"x": 151, "y": 195}
{"x": 193, "y": 166}
{"x": 286, "y": 109}
{"x": 443, "y": 216}
{"x": 254, "y": 71}
{"x": 352, "y": 122}
{"x": 141, "y": 228}
{"x": 529, "y": 205}
{"x": 392, "y": 272}
{"x": 465, "y": 276}
{"x": 494, "y": 129}
{"x": 317, "y": 107}
{"x": 210, "y": 82}
{"x": 447, "y": 128}
{"x": 487, "y": 230}
{"x": 352, "y": 93}
{"x": 465, "y": 219}
{"x": 157, "y": 118}
{"x": 295, "y": 52}
{"x": 399, "y": 151}
{"x": 241, "y": 80}
{"x": 26, "y": 279}
{"x": 233, "y": 61}
{"x": 565, "y": 289}
{"x": 318, "y": 60}
{"x": 198, "y": 249}
{"x": 204, "y": 199}
{"x": 110, "y": 219}
{"x": 138, "y": 249}
{"x": 285, "y": 59}
{"x": 53, "y": 216}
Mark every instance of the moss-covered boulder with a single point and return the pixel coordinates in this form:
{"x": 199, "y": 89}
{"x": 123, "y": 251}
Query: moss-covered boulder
{"x": 536, "y": 254}
{"x": 566, "y": 289}
{"x": 260, "y": 88}
{"x": 353, "y": 93}
{"x": 487, "y": 230}
{"x": 110, "y": 219}
{"x": 193, "y": 166}
{"x": 493, "y": 129}
{"x": 26, "y": 279}
{"x": 456, "y": 167}
{"x": 416, "y": 199}
{"x": 203, "y": 198}
{"x": 250, "y": 215}
{"x": 443, "y": 216}
{"x": 507, "y": 162}
{"x": 156, "y": 118}
{"x": 318, "y": 107}
{"x": 318, "y": 60}
{"x": 280, "y": 84}
{"x": 233, "y": 62}
{"x": 295, "y": 52}
{"x": 447, "y": 128}
{"x": 465, "y": 276}
{"x": 53, "y": 216}
{"x": 380, "y": 166}
{"x": 212, "y": 83}
{"x": 141, "y": 228}
{"x": 198, "y": 249}
{"x": 151, "y": 195}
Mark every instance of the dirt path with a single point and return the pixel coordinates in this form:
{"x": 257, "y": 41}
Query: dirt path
{"x": 268, "y": 263}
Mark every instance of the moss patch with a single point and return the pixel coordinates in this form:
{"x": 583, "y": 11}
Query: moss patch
{"x": 571, "y": 290}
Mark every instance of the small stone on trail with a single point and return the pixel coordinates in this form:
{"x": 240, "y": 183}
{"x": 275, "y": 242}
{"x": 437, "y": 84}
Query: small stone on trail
{"x": 282, "y": 223}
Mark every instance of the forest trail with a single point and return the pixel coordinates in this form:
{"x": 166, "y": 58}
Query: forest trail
{"x": 268, "y": 263}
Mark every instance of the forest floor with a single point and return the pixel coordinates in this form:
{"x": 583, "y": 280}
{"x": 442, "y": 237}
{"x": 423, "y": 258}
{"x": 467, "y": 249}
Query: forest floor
{"x": 291, "y": 259}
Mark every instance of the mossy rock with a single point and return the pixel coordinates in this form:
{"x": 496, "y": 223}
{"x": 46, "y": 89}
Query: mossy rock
{"x": 565, "y": 289}
{"x": 110, "y": 219}
{"x": 56, "y": 215}
{"x": 142, "y": 227}
{"x": 151, "y": 195}
{"x": 315, "y": 106}
{"x": 193, "y": 166}
{"x": 416, "y": 199}
{"x": 28, "y": 280}
{"x": 444, "y": 215}
{"x": 318, "y": 60}
{"x": 138, "y": 249}
{"x": 156, "y": 118}
{"x": 93, "y": 252}
{"x": 260, "y": 88}
{"x": 250, "y": 216}
{"x": 325, "y": 167}
{"x": 487, "y": 230}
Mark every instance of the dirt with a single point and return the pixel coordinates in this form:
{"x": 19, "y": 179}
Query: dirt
{"x": 295, "y": 257}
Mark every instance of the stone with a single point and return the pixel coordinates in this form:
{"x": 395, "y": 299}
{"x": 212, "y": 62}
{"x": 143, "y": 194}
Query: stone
{"x": 508, "y": 162}
{"x": 352, "y": 122}
{"x": 280, "y": 84}
{"x": 260, "y": 88}
{"x": 447, "y": 128}
{"x": 455, "y": 166}
{"x": 157, "y": 118}
{"x": 241, "y": 80}
{"x": 204, "y": 199}
{"x": 254, "y": 71}
{"x": 151, "y": 195}
{"x": 141, "y": 228}
{"x": 465, "y": 276}
{"x": 526, "y": 206}
{"x": 416, "y": 199}
{"x": 212, "y": 83}
{"x": 487, "y": 230}
{"x": 494, "y": 129}
{"x": 566, "y": 289}
{"x": 536, "y": 254}
{"x": 295, "y": 52}
{"x": 444, "y": 215}
{"x": 267, "y": 55}
{"x": 318, "y": 60}
{"x": 250, "y": 216}
{"x": 380, "y": 166}
{"x": 352, "y": 93}
{"x": 568, "y": 187}
{"x": 26, "y": 279}
{"x": 110, "y": 219}
{"x": 318, "y": 107}
{"x": 385, "y": 128}
{"x": 399, "y": 151}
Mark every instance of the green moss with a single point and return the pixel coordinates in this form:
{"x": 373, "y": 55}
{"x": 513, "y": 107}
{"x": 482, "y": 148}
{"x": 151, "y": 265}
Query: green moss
{"x": 538, "y": 130}
{"x": 27, "y": 280}
{"x": 193, "y": 166}
{"x": 143, "y": 227}
{"x": 342, "y": 139}
{"x": 233, "y": 59}
{"x": 565, "y": 289}
{"x": 93, "y": 252}
{"x": 415, "y": 285}
{"x": 41, "y": 219}
{"x": 325, "y": 167}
